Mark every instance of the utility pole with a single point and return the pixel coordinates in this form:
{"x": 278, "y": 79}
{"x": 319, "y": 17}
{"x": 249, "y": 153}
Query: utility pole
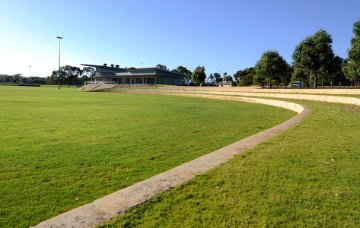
{"x": 60, "y": 38}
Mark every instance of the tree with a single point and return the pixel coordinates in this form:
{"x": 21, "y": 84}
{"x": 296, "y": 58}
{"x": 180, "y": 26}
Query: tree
{"x": 34, "y": 80}
{"x": 214, "y": 79}
{"x": 17, "y": 78}
{"x": 314, "y": 54}
{"x": 228, "y": 78}
{"x": 68, "y": 75}
{"x": 162, "y": 67}
{"x": 71, "y": 74}
{"x": 271, "y": 66}
{"x": 88, "y": 72}
{"x": 182, "y": 70}
{"x": 300, "y": 74}
{"x": 198, "y": 75}
{"x": 286, "y": 78}
{"x": 245, "y": 77}
{"x": 259, "y": 79}
{"x": 211, "y": 80}
{"x": 351, "y": 72}
{"x": 354, "y": 52}
{"x": 52, "y": 79}
{"x": 218, "y": 78}
{"x": 335, "y": 74}
{"x": 352, "y": 66}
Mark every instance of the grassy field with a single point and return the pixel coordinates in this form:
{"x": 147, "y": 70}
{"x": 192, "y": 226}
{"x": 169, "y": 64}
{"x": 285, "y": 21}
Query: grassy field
{"x": 62, "y": 149}
{"x": 306, "y": 177}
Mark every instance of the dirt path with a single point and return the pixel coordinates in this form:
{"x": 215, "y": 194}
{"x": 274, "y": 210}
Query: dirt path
{"x": 113, "y": 204}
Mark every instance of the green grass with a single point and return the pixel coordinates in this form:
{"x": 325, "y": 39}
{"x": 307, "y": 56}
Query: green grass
{"x": 306, "y": 177}
{"x": 62, "y": 149}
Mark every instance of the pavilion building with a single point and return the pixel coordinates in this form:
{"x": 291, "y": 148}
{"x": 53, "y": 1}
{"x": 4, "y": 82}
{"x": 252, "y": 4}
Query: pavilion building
{"x": 114, "y": 74}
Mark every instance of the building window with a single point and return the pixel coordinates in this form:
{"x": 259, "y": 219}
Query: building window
{"x": 138, "y": 81}
{"x": 150, "y": 81}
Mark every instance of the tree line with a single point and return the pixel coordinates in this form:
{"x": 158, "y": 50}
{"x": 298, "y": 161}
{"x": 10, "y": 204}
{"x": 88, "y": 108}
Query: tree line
{"x": 68, "y": 75}
{"x": 314, "y": 63}
{"x": 19, "y": 79}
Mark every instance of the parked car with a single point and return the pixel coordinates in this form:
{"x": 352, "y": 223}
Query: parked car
{"x": 297, "y": 84}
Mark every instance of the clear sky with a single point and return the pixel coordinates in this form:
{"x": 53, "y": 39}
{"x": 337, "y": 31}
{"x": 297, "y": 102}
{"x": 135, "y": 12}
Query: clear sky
{"x": 222, "y": 35}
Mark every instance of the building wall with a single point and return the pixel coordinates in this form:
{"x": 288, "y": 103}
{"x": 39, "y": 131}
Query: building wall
{"x": 142, "y": 80}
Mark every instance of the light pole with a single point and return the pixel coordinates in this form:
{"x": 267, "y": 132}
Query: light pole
{"x": 60, "y": 38}
{"x": 29, "y": 70}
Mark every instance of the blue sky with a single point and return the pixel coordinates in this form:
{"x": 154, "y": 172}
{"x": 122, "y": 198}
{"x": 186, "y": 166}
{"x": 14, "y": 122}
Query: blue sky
{"x": 223, "y": 36}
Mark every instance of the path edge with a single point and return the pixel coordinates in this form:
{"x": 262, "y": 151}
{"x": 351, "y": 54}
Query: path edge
{"x": 109, "y": 206}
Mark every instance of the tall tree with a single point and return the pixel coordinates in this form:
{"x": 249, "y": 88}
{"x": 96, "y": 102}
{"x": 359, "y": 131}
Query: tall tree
{"x": 335, "y": 74}
{"x": 71, "y": 74}
{"x": 352, "y": 66}
{"x": 271, "y": 66}
{"x": 68, "y": 75}
{"x": 228, "y": 78}
{"x": 162, "y": 66}
{"x": 211, "y": 80}
{"x": 300, "y": 74}
{"x": 52, "y": 79}
{"x": 198, "y": 75}
{"x": 88, "y": 72}
{"x": 259, "y": 79}
{"x": 218, "y": 77}
{"x": 351, "y": 72}
{"x": 17, "y": 78}
{"x": 245, "y": 77}
{"x": 314, "y": 54}
{"x": 286, "y": 78}
{"x": 248, "y": 78}
{"x": 354, "y": 52}
{"x": 182, "y": 70}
